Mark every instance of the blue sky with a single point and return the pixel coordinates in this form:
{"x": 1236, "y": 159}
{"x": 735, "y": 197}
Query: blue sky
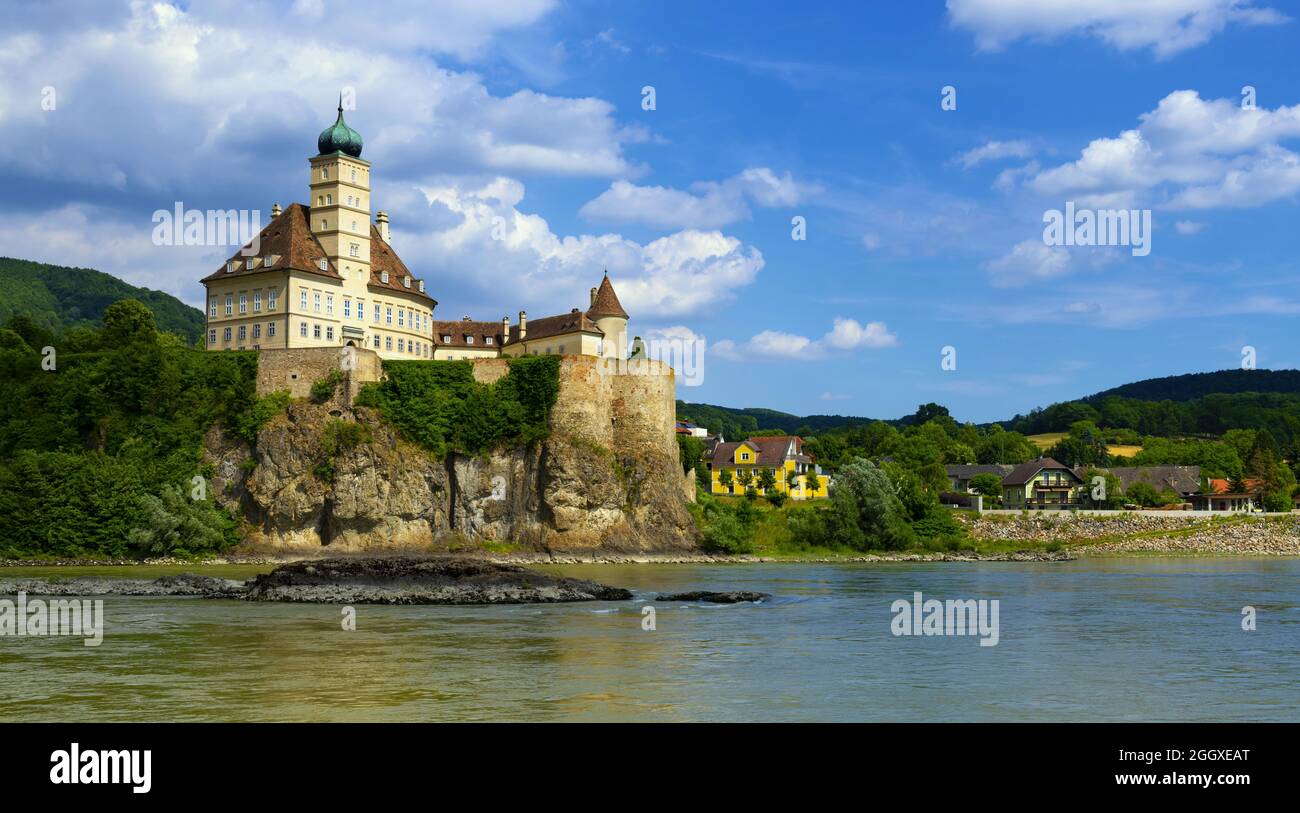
{"x": 924, "y": 225}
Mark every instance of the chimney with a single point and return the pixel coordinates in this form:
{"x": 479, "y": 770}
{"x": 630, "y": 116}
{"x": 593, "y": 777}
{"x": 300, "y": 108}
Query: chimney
{"x": 593, "y": 296}
{"x": 505, "y": 329}
{"x": 523, "y": 325}
{"x": 382, "y": 219}
{"x": 275, "y": 210}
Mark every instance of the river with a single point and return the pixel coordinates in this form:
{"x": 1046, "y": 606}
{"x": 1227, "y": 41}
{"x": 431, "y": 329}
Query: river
{"x": 1094, "y": 639}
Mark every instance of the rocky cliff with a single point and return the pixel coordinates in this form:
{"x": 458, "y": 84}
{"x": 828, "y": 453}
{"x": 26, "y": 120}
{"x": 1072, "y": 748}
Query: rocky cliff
{"x": 571, "y": 493}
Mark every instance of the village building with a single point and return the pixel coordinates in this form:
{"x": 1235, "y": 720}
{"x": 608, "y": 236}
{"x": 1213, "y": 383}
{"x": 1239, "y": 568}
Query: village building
{"x": 743, "y": 463}
{"x": 1221, "y": 496}
{"x": 1042, "y": 484}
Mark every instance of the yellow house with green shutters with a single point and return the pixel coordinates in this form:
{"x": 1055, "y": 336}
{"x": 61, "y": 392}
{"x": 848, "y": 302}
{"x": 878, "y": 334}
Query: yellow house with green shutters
{"x": 733, "y": 467}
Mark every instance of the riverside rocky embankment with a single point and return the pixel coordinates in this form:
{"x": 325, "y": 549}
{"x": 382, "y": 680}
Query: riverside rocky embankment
{"x": 1123, "y": 533}
{"x": 352, "y": 580}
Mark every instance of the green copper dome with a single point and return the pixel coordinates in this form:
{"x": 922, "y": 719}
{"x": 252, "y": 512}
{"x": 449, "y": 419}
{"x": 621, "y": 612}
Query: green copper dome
{"x": 339, "y": 137}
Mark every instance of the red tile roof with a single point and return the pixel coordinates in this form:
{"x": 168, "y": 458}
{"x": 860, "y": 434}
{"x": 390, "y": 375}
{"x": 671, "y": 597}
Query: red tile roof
{"x": 289, "y": 239}
{"x": 606, "y": 302}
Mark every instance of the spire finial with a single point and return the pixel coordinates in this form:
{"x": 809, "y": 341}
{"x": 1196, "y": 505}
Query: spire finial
{"x": 340, "y": 103}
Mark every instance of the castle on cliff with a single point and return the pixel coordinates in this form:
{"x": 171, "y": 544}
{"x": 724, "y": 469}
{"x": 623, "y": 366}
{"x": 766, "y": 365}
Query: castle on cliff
{"x": 321, "y": 274}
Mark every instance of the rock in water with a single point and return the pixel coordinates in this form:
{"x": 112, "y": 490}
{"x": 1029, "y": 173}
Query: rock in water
{"x": 731, "y": 597}
{"x": 414, "y": 580}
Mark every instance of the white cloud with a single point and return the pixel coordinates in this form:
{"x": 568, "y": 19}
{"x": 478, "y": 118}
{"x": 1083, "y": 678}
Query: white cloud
{"x": 483, "y": 240}
{"x": 1188, "y": 153}
{"x": 846, "y": 334}
{"x": 1167, "y": 27}
{"x": 1188, "y": 226}
{"x": 994, "y": 151}
{"x": 708, "y": 204}
{"x": 831, "y": 396}
{"x": 1028, "y": 261}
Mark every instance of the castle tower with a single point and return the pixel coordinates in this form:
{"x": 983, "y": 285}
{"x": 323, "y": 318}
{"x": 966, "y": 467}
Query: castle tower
{"x": 610, "y": 317}
{"x": 340, "y": 203}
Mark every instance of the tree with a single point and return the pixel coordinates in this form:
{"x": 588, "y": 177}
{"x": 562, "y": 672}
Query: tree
{"x": 689, "y": 450}
{"x": 127, "y": 321}
{"x": 726, "y": 480}
{"x": 927, "y": 412}
{"x": 990, "y": 485}
{"x": 767, "y": 481}
{"x": 812, "y": 482}
{"x": 1143, "y": 494}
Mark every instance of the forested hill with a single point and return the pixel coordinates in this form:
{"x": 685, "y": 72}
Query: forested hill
{"x": 1197, "y": 385}
{"x": 57, "y": 298}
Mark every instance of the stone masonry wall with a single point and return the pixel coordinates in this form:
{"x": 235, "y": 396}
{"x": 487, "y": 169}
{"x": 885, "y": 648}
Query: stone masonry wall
{"x": 296, "y": 369}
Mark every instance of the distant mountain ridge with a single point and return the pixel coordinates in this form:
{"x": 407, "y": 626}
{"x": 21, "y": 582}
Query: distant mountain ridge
{"x": 1186, "y": 387}
{"x": 58, "y": 297}
{"x": 1190, "y": 386}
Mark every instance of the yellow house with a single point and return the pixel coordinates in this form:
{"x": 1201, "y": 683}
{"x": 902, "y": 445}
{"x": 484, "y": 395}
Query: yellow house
{"x": 735, "y": 466}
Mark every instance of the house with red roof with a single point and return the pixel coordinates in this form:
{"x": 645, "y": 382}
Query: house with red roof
{"x": 734, "y": 467}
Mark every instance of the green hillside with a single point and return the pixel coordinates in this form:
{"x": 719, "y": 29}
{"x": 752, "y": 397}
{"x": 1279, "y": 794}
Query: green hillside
{"x": 1198, "y": 385}
{"x": 57, "y": 298}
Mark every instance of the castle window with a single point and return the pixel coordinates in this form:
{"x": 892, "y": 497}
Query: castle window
{"x": 388, "y": 342}
{"x": 302, "y": 299}
{"x": 401, "y": 345}
{"x": 376, "y": 313}
{"x": 354, "y": 174}
{"x": 361, "y": 310}
{"x": 212, "y": 307}
{"x": 406, "y": 281}
{"x": 270, "y": 329}
{"x": 320, "y": 200}
{"x": 325, "y": 223}
{"x": 388, "y": 315}
{"x": 257, "y": 331}
{"x": 212, "y": 336}
{"x": 329, "y": 200}
{"x": 376, "y": 341}
{"x": 225, "y": 334}
{"x": 487, "y": 340}
{"x": 315, "y": 330}
{"x": 257, "y": 301}
{"x": 561, "y": 350}
{"x": 243, "y": 303}
{"x": 271, "y": 296}
{"x": 243, "y": 332}
{"x": 347, "y": 308}
{"x": 231, "y": 265}
{"x": 383, "y": 277}
{"x": 354, "y": 249}
{"x": 354, "y": 225}
{"x": 401, "y": 320}
{"x": 329, "y": 304}
{"x": 324, "y": 265}
{"x": 469, "y": 340}
{"x": 446, "y": 339}
{"x": 315, "y": 301}
{"x": 229, "y": 304}
{"x": 329, "y": 332}
{"x": 325, "y": 173}
{"x": 302, "y": 329}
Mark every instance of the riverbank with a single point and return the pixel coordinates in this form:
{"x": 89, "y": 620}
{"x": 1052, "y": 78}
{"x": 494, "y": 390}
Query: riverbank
{"x": 993, "y": 538}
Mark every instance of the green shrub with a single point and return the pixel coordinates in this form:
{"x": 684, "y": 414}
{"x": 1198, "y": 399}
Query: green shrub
{"x": 439, "y": 405}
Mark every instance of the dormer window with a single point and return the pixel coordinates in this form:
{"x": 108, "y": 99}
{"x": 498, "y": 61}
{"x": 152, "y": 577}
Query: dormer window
{"x": 446, "y": 338}
{"x": 469, "y": 340}
{"x": 406, "y": 281}
{"x": 487, "y": 340}
{"x": 323, "y": 263}
{"x": 421, "y": 286}
{"x": 231, "y": 266}
{"x": 250, "y": 263}
{"x": 383, "y": 277}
